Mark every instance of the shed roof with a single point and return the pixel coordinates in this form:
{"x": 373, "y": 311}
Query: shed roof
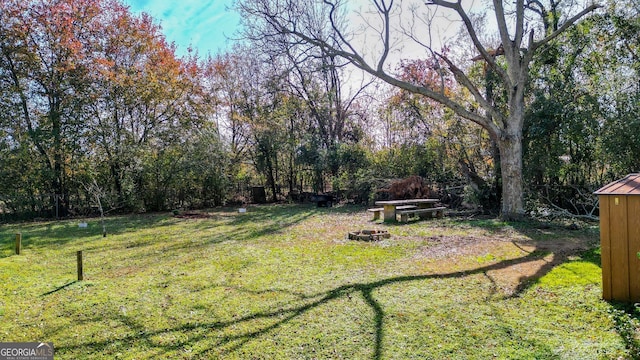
{"x": 630, "y": 185}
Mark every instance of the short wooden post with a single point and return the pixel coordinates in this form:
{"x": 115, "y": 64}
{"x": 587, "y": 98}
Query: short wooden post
{"x": 389, "y": 213}
{"x": 18, "y": 243}
{"x": 80, "y": 274}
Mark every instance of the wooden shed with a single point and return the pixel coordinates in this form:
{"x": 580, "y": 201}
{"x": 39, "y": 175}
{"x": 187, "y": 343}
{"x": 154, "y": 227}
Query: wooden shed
{"x": 620, "y": 239}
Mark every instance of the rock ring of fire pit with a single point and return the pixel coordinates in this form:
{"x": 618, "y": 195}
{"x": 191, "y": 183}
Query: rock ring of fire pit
{"x": 369, "y": 235}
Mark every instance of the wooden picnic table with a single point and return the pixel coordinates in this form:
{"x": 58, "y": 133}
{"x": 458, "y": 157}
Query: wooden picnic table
{"x": 391, "y": 205}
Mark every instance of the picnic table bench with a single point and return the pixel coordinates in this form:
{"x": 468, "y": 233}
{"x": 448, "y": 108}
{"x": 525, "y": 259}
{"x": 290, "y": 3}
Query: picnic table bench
{"x": 437, "y": 211}
{"x": 378, "y": 211}
{"x": 322, "y": 200}
{"x": 420, "y": 207}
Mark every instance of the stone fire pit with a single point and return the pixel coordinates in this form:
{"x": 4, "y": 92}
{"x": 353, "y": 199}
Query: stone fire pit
{"x": 369, "y": 235}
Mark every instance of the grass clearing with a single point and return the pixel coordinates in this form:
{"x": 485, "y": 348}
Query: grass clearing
{"x": 282, "y": 281}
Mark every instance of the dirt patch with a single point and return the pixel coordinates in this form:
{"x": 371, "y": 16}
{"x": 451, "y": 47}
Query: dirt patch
{"x": 451, "y": 246}
{"x": 539, "y": 258}
{"x": 510, "y": 260}
{"x": 457, "y": 245}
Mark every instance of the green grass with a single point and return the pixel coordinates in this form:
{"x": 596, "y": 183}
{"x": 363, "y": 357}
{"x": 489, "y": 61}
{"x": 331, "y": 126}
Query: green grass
{"x": 283, "y": 282}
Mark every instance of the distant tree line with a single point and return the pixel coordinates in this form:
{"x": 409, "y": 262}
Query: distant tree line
{"x": 95, "y": 104}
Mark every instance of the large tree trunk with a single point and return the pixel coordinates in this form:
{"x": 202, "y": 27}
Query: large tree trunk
{"x": 511, "y": 171}
{"x": 59, "y": 187}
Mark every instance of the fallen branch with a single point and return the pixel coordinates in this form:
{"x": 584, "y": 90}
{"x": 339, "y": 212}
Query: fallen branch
{"x": 561, "y": 212}
{"x": 584, "y": 204}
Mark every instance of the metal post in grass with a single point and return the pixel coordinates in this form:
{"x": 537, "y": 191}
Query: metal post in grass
{"x": 80, "y": 274}
{"x": 18, "y": 243}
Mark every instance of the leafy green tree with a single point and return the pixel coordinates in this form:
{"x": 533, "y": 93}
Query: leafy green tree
{"x": 619, "y": 88}
{"x": 146, "y": 99}
{"x": 580, "y": 126}
{"x": 562, "y": 132}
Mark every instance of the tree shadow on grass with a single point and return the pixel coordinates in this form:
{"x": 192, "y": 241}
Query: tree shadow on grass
{"x": 59, "y": 288}
{"x": 547, "y": 245}
{"x": 547, "y": 259}
{"x": 277, "y": 318}
{"x": 263, "y": 220}
{"x": 256, "y": 223}
{"x": 259, "y": 221}
{"x": 284, "y": 212}
{"x": 50, "y": 233}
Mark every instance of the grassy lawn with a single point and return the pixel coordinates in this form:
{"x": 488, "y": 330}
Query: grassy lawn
{"x": 283, "y": 282}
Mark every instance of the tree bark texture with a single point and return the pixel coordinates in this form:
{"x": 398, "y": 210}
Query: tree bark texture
{"x": 511, "y": 173}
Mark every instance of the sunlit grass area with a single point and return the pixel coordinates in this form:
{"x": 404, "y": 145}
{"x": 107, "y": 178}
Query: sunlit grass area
{"x": 283, "y": 282}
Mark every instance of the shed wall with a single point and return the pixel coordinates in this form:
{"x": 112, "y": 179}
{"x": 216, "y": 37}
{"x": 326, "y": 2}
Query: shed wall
{"x": 620, "y": 244}
{"x": 605, "y": 247}
{"x": 633, "y": 232}
{"x": 619, "y": 248}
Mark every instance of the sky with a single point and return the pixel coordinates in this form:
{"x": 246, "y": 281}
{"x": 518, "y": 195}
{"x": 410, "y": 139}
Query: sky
{"x": 206, "y": 25}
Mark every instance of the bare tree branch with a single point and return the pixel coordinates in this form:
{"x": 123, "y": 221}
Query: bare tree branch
{"x": 538, "y": 44}
{"x": 462, "y": 78}
{"x": 506, "y": 42}
{"x": 519, "y": 24}
{"x": 356, "y": 59}
{"x": 474, "y": 36}
{"x": 384, "y": 10}
{"x": 540, "y": 10}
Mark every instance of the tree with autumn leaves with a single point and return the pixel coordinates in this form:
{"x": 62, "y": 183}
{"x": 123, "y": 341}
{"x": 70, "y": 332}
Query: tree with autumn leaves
{"x": 44, "y": 56}
{"x": 459, "y": 149}
{"x": 93, "y": 91}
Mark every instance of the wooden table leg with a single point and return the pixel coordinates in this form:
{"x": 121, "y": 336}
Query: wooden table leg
{"x": 389, "y": 213}
{"x": 425, "y": 215}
